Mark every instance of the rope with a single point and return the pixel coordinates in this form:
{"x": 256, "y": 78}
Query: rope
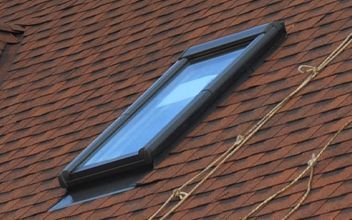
{"x": 310, "y": 167}
{"x": 241, "y": 140}
{"x": 309, "y": 187}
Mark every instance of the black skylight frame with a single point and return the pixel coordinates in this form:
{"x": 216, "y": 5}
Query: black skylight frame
{"x": 259, "y": 41}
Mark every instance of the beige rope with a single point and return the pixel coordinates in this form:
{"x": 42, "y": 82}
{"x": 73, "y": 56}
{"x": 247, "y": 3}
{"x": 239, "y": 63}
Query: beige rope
{"x": 309, "y": 187}
{"x": 241, "y": 140}
{"x": 311, "y": 162}
{"x": 310, "y": 167}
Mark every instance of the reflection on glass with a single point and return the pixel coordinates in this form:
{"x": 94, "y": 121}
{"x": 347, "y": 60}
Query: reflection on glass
{"x": 162, "y": 108}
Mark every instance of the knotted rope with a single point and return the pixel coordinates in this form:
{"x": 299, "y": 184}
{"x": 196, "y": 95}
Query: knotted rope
{"x": 310, "y": 167}
{"x": 241, "y": 140}
{"x": 313, "y": 160}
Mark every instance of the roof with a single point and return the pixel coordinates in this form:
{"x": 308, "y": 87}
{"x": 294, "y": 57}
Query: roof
{"x": 8, "y": 32}
{"x": 9, "y": 36}
{"x": 79, "y": 64}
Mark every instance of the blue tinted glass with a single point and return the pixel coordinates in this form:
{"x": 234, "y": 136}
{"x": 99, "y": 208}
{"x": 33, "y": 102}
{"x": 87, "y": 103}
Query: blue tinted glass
{"x": 162, "y": 108}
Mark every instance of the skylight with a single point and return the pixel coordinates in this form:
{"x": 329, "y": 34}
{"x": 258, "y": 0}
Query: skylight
{"x": 166, "y": 110}
{"x": 162, "y": 108}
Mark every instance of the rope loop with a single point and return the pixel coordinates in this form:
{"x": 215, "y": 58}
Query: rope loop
{"x": 308, "y": 69}
{"x": 180, "y": 194}
{"x": 239, "y": 139}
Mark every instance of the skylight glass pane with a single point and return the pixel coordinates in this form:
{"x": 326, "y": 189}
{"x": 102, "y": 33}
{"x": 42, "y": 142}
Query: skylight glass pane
{"x": 162, "y": 108}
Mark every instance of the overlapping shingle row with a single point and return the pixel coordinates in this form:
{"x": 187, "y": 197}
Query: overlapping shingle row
{"x": 9, "y": 36}
{"x": 81, "y": 63}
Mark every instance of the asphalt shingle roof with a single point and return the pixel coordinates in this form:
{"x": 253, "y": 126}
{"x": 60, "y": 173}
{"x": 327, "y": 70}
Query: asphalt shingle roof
{"x": 79, "y": 64}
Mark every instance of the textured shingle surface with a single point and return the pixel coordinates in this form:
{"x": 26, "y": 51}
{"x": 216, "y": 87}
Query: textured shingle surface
{"x": 9, "y": 37}
{"x": 81, "y": 63}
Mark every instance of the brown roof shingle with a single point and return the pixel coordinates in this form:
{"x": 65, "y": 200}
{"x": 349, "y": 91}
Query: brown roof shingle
{"x": 81, "y": 63}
